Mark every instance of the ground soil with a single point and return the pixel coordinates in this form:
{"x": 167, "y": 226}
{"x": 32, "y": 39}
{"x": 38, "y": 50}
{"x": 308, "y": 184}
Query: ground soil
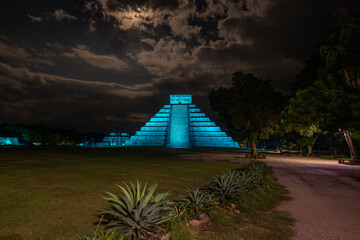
{"x": 326, "y": 195}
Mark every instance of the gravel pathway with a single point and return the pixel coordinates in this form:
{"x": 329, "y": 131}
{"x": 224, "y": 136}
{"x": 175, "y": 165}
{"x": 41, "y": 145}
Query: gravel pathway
{"x": 326, "y": 195}
{"x": 326, "y": 198}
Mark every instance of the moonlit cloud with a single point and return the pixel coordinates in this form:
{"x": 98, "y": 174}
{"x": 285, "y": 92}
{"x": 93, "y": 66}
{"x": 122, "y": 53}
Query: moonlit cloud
{"x": 13, "y": 52}
{"x": 35, "y": 19}
{"x": 107, "y": 62}
{"x": 98, "y": 65}
{"x": 20, "y": 55}
{"x": 60, "y": 15}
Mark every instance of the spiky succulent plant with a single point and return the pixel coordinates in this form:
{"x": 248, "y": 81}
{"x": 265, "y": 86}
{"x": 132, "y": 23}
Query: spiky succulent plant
{"x": 257, "y": 166}
{"x": 137, "y": 212}
{"x": 198, "y": 200}
{"x": 256, "y": 171}
{"x": 247, "y": 180}
{"x": 178, "y": 214}
{"x": 226, "y": 185}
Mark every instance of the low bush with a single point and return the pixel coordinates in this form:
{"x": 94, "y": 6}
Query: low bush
{"x": 178, "y": 215}
{"x": 198, "y": 200}
{"x": 255, "y": 173}
{"x": 138, "y": 212}
{"x": 226, "y": 185}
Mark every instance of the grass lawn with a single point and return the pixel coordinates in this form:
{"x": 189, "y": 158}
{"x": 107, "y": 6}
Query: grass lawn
{"x": 54, "y": 193}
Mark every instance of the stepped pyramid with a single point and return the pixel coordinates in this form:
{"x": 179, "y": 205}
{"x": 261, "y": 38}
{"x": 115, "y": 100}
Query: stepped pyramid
{"x": 181, "y": 125}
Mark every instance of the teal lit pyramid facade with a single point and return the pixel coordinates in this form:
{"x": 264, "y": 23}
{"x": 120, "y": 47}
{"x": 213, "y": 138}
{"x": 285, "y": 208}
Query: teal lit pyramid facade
{"x": 181, "y": 125}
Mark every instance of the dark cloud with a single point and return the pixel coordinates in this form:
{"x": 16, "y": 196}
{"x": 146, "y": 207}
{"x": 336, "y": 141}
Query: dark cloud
{"x": 101, "y": 65}
{"x": 31, "y": 97}
{"x": 107, "y": 62}
{"x": 61, "y": 15}
{"x": 35, "y": 19}
{"x": 153, "y": 4}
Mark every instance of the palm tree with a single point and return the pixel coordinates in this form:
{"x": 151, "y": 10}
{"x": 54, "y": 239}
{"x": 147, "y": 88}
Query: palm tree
{"x": 341, "y": 54}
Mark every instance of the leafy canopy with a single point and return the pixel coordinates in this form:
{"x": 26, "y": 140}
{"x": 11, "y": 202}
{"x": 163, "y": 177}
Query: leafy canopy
{"x": 250, "y": 106}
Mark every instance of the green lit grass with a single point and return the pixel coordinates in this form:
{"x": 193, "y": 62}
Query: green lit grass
{"x": 55, "y": 193}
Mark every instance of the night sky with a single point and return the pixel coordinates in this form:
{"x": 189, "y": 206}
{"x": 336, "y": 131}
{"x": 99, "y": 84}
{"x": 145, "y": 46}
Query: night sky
{"x": 106, "y": 65}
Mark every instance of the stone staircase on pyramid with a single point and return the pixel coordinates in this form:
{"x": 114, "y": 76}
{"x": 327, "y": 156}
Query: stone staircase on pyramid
{"x": 181, "y": 125}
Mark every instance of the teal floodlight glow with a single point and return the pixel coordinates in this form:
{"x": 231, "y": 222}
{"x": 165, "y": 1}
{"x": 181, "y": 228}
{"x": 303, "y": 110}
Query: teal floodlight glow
{"x": 9, "y": 141}
{"x": 179, "y": 130}
{"x": 181, "y": 125}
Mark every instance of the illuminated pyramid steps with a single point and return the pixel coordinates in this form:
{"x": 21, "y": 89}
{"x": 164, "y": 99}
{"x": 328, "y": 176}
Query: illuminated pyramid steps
{"x": 181, "y": 125}
{"x": 154, "y": 133}
{"x": 205, "y": 133}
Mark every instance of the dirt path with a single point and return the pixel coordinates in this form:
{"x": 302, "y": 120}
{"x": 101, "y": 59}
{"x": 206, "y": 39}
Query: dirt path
{"x": 326, "y": 195}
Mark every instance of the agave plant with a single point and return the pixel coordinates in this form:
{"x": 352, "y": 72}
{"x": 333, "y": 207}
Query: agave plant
{"x": 138, "y": 212}
{"x": 198, "y": 200}
{"x": 106, "y": 235}
{"x": 253, "y": 174}
{"x": 258, "y": 167}
{"x": 178, "y": 214}
{"x": 179, "y": 211}
{"x": 246, "y": 180}
{"x": 256, "y": 170}
{"x": 226, "y": 185}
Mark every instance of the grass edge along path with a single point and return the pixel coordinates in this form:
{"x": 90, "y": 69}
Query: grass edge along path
{"x": 258, "y": 218}
{"x": 253, "y": 218}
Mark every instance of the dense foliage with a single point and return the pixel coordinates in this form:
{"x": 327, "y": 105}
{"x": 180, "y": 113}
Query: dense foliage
{"x": 138, "y": 212}
{"x": 226, "y": 185}
{"x": 198, "y": 200}
{"x": 251, "y": 107}
{"x": 325, "y": 98}
{"x": 331, "y": 100}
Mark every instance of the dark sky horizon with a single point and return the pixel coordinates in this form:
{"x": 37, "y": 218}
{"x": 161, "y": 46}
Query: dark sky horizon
{"x": 106, "y": 65}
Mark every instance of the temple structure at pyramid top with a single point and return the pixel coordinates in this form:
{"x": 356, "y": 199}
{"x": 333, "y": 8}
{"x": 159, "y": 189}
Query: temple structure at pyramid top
{"x": 181, "y": 125}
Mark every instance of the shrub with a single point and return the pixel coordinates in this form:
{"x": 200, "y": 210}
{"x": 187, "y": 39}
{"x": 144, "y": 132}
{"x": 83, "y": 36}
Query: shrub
{"x": 247, "y": 180}
{"x": 257, "y": 166}
{"x": 198, "y": 200}
{"x": 255, "y": 172}
{"x": 226, "y": 185}
{"x": 178, "y": 215}
{"x": 138, "y": 213}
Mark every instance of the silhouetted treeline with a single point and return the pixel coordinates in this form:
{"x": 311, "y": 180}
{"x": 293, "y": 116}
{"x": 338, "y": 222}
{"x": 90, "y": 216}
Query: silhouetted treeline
{"x": 47, "y": 136}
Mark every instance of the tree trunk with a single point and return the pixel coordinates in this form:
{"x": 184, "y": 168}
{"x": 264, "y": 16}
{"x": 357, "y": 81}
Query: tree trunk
{"x": 353, "y": 152}
{"x": 347, "y": 78}
{"x": 309, "y": 149}
{"x": 312, "y": 144}
{"x": 253, "y": 149}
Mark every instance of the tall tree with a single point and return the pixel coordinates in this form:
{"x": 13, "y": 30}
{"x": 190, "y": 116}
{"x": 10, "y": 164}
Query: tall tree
{"x": 341, "y": 54}
{"x": 309, "y": 113}
{"x": 250, "y": 106}
{"x": 328, "y": 96}
{"x": 309, "y": 74}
